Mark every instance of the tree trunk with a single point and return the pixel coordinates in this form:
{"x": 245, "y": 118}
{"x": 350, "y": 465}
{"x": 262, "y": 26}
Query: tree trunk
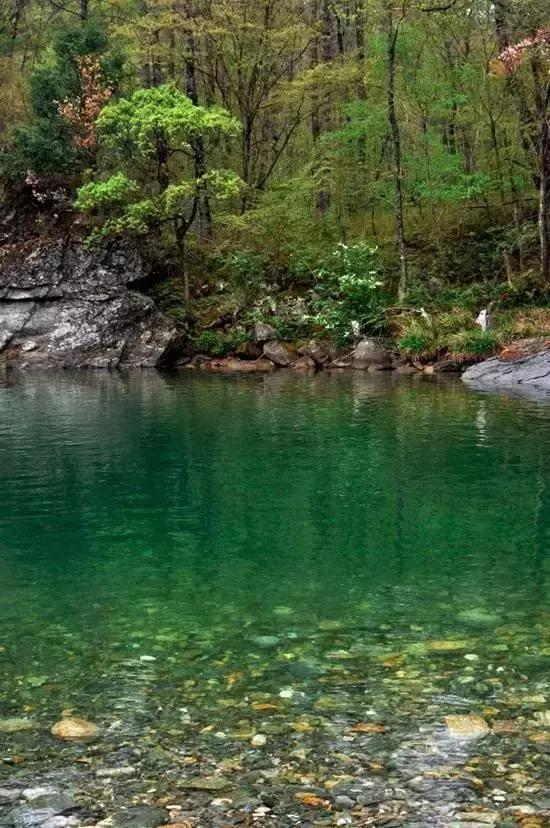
{"x": 544, "y": 207}
{"x": 157, "y": 77}
{"x": 320, "y": 52}
{"x": 393, "y": 34}
{"x": 199, "y": 155}
{"x": 179, "y": 232}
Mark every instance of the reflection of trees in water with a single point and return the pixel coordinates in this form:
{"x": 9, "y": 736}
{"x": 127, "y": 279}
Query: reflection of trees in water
{"x": 199, "y": 497}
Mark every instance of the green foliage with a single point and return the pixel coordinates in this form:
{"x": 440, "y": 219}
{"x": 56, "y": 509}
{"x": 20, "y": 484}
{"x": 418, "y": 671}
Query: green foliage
{"x": 146, "y": 135}
{"x": 473, "y": 342}
{"x": 220, "y": 343}
{"x": 454, "y": 333}
{"x": 131, "y": 128}
{"x": 350, "y": 294}
{"x": 415, "y": 343}
{"x": 247, "y": 270}
{"x": 44, "y": 144}
{"x": 214, "y": 343}
{"x": 98, "y": 195}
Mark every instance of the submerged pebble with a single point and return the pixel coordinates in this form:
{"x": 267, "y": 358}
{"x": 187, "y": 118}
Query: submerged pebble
{"x": 73, "y": 729}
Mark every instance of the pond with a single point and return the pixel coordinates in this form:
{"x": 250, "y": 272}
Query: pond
{"x": 270, "y": 594}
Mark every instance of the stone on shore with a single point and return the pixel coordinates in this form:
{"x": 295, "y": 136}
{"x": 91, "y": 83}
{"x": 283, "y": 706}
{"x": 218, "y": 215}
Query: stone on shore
{"x": 318, "y": 353}
{"x": 278, "y": 354}
{"x": 304, "y": 363}
{"x": 264, "y": 332}
{"x": 63, "y": 305}
{"x": 233, "y": 365}
{"x": 525, "y": 366}
{"x": 371, "y": 356}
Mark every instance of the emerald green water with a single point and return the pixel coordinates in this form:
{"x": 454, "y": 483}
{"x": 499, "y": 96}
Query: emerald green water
{"x": 172, "y": 548}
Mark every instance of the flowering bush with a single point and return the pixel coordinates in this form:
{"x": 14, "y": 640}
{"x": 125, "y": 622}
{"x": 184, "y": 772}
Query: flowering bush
{"x": 82, "y": 112}
{"x": 349, "y": 297}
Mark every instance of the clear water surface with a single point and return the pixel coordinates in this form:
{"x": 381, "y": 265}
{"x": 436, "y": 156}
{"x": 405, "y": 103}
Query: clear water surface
{"x": 177, "y": 551}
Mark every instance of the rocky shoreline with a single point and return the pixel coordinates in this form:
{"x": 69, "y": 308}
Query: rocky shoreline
{"x": 525, "y": 366}
{"x": 63, "y": 305}
{"x": 268, "y": 353}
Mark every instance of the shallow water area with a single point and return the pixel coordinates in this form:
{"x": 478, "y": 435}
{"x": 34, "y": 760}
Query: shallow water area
{"x": 270, "y": 594}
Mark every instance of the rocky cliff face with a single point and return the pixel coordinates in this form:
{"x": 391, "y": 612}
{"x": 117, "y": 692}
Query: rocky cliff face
{"x": 62, "y": 305}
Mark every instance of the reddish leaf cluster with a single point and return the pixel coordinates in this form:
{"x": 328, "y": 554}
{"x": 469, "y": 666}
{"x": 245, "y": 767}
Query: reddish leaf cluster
{"x": 82, "y": 113}
{"x": 512, "y": 57}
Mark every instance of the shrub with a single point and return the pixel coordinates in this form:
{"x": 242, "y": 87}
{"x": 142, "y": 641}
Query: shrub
{"x": 45, "y": 144}
{"x": 350, "y": 297}
{"x": 246, "y": 270}
{"x": 415, "y": 343}
{"x": 474, "y": 342}
{"x": 214, "y": 343}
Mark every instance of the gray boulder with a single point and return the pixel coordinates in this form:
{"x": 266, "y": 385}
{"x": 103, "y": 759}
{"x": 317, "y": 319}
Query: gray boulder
{"x": 304, "y": 363}
{"x": 526, "y": 369}
{"x": 318, "y": 353}
{"x": 264, "y": 332}
{"x": 370, "y": 355}
{"x": 278, "y": 354}
{"x": 64, "y": 305}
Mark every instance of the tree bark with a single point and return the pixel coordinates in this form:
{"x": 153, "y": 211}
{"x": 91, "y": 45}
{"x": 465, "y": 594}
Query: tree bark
{"x": 393, "y": 34}
{"x": 199, "y": 155}
{"x": 321, "y": 51}
{"x": 544, "y": 206}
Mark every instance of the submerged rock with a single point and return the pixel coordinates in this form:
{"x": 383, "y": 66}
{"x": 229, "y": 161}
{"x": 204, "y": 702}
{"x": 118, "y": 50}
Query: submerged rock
{"x": 64, "y": 305}
{"x": 207, "y": 783}
{"x": 73, "y": 729}
{"x": 466, "y": 727}
{"x": 266, "y": 641}
{"x": 25, "y": 816}
{"x": 140, "y": 816}
{"x": 446, "y": 646}
{"x": 478, "y": 617}
{"x": 15, "y": 725}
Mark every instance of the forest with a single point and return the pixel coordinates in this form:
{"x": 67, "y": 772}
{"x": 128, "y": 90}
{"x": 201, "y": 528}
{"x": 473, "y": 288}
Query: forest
{"x": 330, "y": 167}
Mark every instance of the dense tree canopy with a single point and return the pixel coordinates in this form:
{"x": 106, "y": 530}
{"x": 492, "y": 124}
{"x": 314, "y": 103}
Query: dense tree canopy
{"x": 376, "y": 121}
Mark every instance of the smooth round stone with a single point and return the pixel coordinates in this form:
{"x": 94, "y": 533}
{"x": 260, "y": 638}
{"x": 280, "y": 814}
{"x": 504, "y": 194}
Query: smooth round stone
{"x": 266, "y": 641}
{"x": 478, "y": 617}
{"x": 329, "y": 625}
{"x": 344, "y": 803}
{"x": 466, "y": 727}
{"x": 73, "y": 729}
{"x": 446, "y": 646}
{"x": 15, "y": 725}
